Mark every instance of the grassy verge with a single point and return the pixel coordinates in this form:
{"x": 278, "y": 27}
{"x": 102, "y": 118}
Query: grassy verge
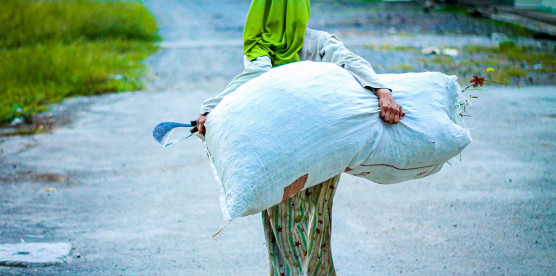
{"x": 514, "y": 64}
{"x": 53, "y": 49}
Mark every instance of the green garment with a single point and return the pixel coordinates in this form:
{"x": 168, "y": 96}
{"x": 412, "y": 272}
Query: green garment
{"x": 276, "y": 28}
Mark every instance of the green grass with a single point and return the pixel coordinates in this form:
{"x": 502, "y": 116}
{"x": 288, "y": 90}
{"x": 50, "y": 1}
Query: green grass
{"x": 457, "y": 9}
{"x": 442, "y": 60}
{"x": 53, "y": 49}
{"x": 390, "y": 48}
{"x": 406, "y": 48}
{"x": 405, "y": 35}
{"x": 406, "y": 67}
{"x": 28, "y": 22}
{"x": 510, "y": 61}
{"x": 386, "y": 47}
{"x": 480, "y": 49}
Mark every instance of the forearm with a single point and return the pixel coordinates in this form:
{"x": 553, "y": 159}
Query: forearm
{"x": 253, "y": 70}
{"x": 382, "y": 92}
{"x": 321, "y": 46}
{"x": 333, "y": 50}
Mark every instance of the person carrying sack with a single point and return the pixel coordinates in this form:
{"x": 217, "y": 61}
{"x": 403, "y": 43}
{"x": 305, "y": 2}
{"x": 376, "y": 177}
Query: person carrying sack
{"x": 298, "y": 230}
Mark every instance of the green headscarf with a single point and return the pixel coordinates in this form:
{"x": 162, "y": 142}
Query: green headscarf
{"x": 276, "y": 28}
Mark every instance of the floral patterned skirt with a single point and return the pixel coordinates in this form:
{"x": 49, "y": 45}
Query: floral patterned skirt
{"x": 297, "y": 232}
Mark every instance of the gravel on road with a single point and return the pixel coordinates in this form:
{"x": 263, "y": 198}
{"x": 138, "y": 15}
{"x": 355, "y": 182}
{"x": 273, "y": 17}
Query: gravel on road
{"x": 129, "y": 207}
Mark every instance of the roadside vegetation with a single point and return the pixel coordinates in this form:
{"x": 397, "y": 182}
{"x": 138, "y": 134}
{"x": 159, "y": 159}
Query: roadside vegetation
{"x": 54, "y": 49}
{"x": 514, "y": 64}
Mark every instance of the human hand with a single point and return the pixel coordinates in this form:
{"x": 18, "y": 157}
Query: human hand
{"x": 390, "y": 111}
{"x": 201, "y": 123}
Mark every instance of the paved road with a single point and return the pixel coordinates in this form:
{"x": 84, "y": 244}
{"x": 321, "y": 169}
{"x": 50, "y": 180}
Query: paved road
{"x": 131, "y": 208}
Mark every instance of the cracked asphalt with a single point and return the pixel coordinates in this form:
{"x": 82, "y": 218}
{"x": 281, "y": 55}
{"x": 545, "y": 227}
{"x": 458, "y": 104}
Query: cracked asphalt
{"x": 132, "y": 208}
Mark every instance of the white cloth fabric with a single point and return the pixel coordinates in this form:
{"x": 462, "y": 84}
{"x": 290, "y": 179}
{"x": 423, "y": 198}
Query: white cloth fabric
{"x": 325, "y": 47}
{"x": 253, "y": 69}
{"x": 263, "y": 139}
{"x": 317, "y": 46}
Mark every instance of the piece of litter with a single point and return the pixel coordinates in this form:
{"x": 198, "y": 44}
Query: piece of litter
{"x": 537, "y": 66}
{"x": 49, "y": 190}
{"x": 450, "y": 52}
{"x": 431, "y": 51}
{"x": 116, "y": 76}
{"x": 17, "y": 121}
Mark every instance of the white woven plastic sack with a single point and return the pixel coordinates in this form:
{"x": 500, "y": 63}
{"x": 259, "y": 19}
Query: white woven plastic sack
{"x": 302, "y": 123}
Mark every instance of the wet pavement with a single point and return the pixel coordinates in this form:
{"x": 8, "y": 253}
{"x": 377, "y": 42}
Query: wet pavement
{"x": 131, "y": 208}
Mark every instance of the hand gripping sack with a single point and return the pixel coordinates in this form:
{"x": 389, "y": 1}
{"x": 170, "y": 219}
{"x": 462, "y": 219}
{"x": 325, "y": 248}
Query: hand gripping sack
{"x": 302, "y": 123}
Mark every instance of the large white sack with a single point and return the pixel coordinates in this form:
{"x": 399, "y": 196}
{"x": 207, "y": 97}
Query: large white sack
{"x": 302, "y": 123}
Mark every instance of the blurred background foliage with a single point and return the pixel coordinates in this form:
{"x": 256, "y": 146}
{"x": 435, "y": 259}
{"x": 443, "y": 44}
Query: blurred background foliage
{"x": 53, "y": 49}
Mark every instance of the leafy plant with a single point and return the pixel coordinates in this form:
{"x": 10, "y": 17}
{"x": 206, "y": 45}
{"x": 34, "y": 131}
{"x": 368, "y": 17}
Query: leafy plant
{"x": 476, "y": 81}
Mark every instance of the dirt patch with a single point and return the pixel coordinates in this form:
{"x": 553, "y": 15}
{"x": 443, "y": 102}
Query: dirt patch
{"x": 17, "y": 174}
{"x": 50, "y": 177}
{"x": 56, "y": 116}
